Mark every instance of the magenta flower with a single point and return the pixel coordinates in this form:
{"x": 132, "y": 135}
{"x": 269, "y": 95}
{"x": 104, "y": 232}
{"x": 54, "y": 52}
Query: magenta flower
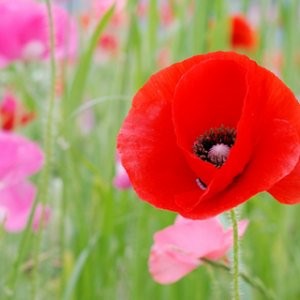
{"x": 24, "y": 31}
{"x": 15, "y": 207}
{"x": 121, "y": 180}
{"x": 19, "y": 158}
{"x": 179, "y": 248}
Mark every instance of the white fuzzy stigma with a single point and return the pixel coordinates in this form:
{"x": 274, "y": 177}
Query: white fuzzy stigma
{"x": 218, "y": 154}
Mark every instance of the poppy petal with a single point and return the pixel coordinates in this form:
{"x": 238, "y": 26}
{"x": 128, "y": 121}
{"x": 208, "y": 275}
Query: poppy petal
{"x": 287, "y": 190}
{"x": 207, "y": 103}
{"x": 274, "y": 158}
{"x": 268, "y": 99}
{"x": 182, "y": 102}
{"x": 147, "y": 142}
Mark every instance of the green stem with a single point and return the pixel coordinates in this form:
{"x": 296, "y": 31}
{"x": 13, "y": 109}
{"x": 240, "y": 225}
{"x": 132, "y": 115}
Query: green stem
{"x": 48, "y": 139}
{"x": 255, "y": 282}
{"x": 44, "y": 180}
{"x": 235, "y": 263}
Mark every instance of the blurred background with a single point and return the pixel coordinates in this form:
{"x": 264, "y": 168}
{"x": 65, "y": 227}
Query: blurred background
{"x": 92, "y": 237}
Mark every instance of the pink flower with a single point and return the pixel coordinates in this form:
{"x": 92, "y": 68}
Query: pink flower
{"x": 19, "y": 158}
{"x": 178, "y": 249}
{"x": 24, "y": 31}
{"x": 101, "y": 6}
{"x": 121, "y": 180}
{"x": 16, "y": 204}
{"x": 41, "y": 217}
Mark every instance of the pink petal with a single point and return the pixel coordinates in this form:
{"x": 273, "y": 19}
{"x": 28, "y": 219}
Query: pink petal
{"x": 228, "y": 241}
{"x": 15, "y": 203}
{"x": 169, "y": 265}
{"x": 194, "y": 237}
{"x": 41, "y": 218}
{"x": 121, "y": 180}
{"x": 24, "y": 24}
{"x": 178, "y": 248}
{"x": 19, "y": 158}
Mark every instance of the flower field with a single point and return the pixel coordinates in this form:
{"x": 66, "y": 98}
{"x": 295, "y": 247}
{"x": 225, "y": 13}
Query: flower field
{"x": 149, "y": 149}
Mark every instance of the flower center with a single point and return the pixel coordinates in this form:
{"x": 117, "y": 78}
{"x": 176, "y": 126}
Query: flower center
{"x": 214, "y": 145}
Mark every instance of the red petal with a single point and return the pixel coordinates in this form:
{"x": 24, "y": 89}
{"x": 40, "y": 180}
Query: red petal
{"x": 147, "y": 142}
{"x": 287, "y": 190}
{"x": 275, "y": 157}
{"x": 242, "y": 34}
{"x": 215, "y": 91}
{"x": 262, "y": 155}
{"x": 267, "y": 99}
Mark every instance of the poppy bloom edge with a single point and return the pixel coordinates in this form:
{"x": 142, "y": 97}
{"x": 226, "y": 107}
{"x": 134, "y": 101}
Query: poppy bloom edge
{"x": 198, "y": 96}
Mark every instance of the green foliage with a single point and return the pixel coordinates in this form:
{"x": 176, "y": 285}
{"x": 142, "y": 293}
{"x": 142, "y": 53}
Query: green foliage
{"x": 97, "y": 243}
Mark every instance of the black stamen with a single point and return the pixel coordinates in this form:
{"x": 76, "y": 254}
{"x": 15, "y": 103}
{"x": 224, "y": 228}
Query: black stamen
{"x": 215, "y": 136}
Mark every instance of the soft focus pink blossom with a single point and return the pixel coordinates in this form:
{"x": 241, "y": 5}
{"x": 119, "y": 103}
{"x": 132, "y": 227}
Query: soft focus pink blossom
{"x": 16, "y": 204}
{"x": 118, "y": 20}
{"x": 101, "y": 6}
{"x": 86, "y": 121}
{"x": 24, "y": 31}
{"x": 19, "y": 158}
{"x": 121, "y": 180}
{"x": 178, "y": 249}
{"x": 41, "y": 217}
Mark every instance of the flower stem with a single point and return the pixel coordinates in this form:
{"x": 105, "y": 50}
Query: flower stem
{"x": 235, "y": 263}
{"x": 255, "y": 282}
{"x": 43, "y": 188}
{"x": 48, "y": 139}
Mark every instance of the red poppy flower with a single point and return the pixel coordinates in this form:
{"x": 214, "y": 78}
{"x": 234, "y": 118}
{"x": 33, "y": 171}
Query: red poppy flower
{"x": 206, "y": 134}
{"x": 242, "y": 35}
{"x": 12, "y": 113}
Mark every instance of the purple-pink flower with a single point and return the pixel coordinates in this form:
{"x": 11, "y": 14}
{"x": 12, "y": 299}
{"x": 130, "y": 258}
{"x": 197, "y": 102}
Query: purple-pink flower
{"x": 121, "y": 180}
{"x": 19, "y": 159}
{"x": 24, "y": 31}
{"x": 179, "y": 248}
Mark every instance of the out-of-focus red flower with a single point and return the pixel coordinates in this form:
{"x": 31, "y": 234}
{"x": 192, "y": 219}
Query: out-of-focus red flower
{"x": 108, "y": 42}
{"x": 179, "y": 249}
{"x": 206, "y": 134}
{"x": 12, "y": 113}
{"x": 242, "y": 34}
{"x": 85, "y": 20}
